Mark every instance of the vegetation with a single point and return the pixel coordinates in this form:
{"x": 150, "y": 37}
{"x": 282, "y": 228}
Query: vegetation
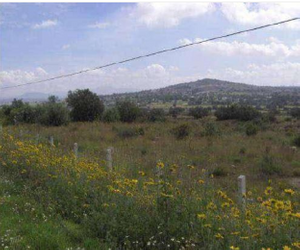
{"x": 132, "y": 208}
{"x": 85, "y": 105}
{"x": 237, "y": 112}
{"x": 199, "y": 112}
{"x": 128, "y": 111}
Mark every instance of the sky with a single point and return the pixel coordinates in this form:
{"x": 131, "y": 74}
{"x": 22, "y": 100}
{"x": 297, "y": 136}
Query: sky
{"x": 39, "y": 41}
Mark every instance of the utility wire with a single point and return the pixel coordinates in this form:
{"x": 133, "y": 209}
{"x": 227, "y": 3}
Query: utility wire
{"x": 153, "y": 53}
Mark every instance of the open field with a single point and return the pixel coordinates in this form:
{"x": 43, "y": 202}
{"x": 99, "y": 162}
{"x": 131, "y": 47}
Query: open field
{"x": 163, "y": 193}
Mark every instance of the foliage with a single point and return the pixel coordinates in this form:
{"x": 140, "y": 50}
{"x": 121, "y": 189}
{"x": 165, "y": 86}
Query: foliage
{"x": 269, "y": 166}
{"x": 128, "y": 111}
{"x": 175, "y": 111}
{"x": 111, "y": 115}
{"x": 251, "y": 129}
{"x": 127, "y": 132}
{"x": 53, "y": 113}
{"x": 199, "y": 112}
{"x": 85, "y": 105}
{"x": 181, "y": 131}
{"x": 137, "y": 211}
{"x": 237, "y": 112}
{"x": 211, "y": 129}
{"x": 156, "y": 115}
{"x": 296, "y": 141}
{"x": 295, "y": 112}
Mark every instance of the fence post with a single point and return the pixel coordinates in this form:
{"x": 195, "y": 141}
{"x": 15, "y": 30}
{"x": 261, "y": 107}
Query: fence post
{"x": 51, "y": 141}
{"x": 37, "y": 139}
{"x": 109, "y": 158}
{"x": 76, "y": 150}
{"x": 242, "y": 190}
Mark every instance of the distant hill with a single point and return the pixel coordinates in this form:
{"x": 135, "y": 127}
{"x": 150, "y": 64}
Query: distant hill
{"x": 214, "y": 92}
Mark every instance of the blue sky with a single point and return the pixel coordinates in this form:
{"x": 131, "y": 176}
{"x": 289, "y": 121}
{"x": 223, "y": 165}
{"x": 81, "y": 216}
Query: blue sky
{"x": 44, "y": 40}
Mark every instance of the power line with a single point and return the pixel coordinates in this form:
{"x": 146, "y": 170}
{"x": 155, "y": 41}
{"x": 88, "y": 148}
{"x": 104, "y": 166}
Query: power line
{"x": 153, "y": 53}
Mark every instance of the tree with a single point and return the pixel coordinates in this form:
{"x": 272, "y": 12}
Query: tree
{"x": 198, "y": 112}
{"x": 128, "y": 111}
{"x": 175, "y": 111}
{"x": 111, "y": 115}
{"x": 156, "y": 115}
{"x": 53, "y": 113}
{"x": 85, "y": 105}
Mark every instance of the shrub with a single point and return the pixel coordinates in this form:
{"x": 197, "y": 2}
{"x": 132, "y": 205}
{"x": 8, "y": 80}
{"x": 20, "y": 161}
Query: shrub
{"x": 129, "y": 132}
{"x": 296, "y": 141}
{"x": 268, "y": 166}
{"x": 53, "y": 114}
{"x": 295, "y": 112}
{"x": 199, "y": 112}
{"x": 156, "y": 115}
{"x": 211, "y": 129}
{"x": 175, "y": 111}
{"x": 251, "y": 129}
{"x": 111, "y": 115}
{"x": 219, "y": 172}
{"x": 128, "y": 111}
{"x": 237, "y": 112}
{"x": 181, "y": 131}
{"x": 85, "y": 105}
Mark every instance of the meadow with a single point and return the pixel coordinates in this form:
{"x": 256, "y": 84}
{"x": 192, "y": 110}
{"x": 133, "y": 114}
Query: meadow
{"x": 165, "y": 192}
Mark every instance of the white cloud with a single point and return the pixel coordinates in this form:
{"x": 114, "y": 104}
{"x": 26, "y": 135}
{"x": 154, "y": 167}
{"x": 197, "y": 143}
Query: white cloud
{"x": 66, "y": 46}
{"x": 14, "y": 77}
{"x": 275, "y": 48}
{"x": 277, "y": 74}
{"x": 45, "y": 24}
{"x": 99, "y": 25}
{"x": 169, "y": 14}
{"x": 262, "y": 13}
{"x": 102, "y": 81}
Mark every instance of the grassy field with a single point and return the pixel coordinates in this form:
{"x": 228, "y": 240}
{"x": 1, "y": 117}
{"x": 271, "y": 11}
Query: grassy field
{"x": 164, "y": 192}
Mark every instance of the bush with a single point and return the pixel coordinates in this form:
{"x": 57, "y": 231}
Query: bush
{"x": 156, "y": 115}
{"x": 218, "y": 172}
{"x": 181, "y": 131}
{"x": 111, "y": 115}
{"x": 296, "y": 141}
{"x": 129, "y": 132}
{"x": 268, "y": 166}
{"x": 85, "y": 105}
{"x": 211, "y": 129}
{"x": 237, "y": 112}
{"x": 251, "y": 129}
{"x": 295, "y": 112}
{"x": 128, "y": 111}
{"x": 53, "y": 114}
{"x": 199, "y": 112}
{"x": 175, "y": 111}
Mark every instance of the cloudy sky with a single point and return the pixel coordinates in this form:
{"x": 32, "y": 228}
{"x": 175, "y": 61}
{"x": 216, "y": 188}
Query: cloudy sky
{"x": 38, "y": 41}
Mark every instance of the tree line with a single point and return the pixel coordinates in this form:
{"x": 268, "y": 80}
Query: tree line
{"x": 86, "y": 106}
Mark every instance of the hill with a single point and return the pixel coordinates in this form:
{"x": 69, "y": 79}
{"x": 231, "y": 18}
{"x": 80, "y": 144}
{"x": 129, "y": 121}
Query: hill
{"x": 214, "y": 92}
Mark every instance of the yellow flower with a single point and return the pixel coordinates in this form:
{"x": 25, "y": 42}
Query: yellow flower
{"x": 286, "y": 248}
{"x": 160, "y": 165}
{"x": 201, "y": 216}
{"x": 234, "y": 248}
{"x": 289, "y": 191}
{"x": 142, "y": 173}
{"x": 296, "y": 244}
{"x": 219, "y": 236}
{"x": 268, "y": 190}
{"x": 201, "y": 182}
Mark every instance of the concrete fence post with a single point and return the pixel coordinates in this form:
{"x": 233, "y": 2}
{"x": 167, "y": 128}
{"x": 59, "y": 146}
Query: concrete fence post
{"x": 109, "y": 159}
{"x": 242, "y": 189}
{"x": 51, "y": 140}
{"x": 76, "y": 150}
{"x": 37, "y": 139}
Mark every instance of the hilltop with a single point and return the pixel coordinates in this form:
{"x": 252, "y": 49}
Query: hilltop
{"x": 213, "y": 92}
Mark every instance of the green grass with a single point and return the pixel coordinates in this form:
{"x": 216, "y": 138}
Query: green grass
{"x": 25, "y": 224}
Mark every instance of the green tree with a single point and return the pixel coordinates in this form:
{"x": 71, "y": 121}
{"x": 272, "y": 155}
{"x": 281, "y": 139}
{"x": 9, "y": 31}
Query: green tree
{"x": 85, "y": 105}
{"x": 111, "y": 115}
{"x": 128, "y": 111}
